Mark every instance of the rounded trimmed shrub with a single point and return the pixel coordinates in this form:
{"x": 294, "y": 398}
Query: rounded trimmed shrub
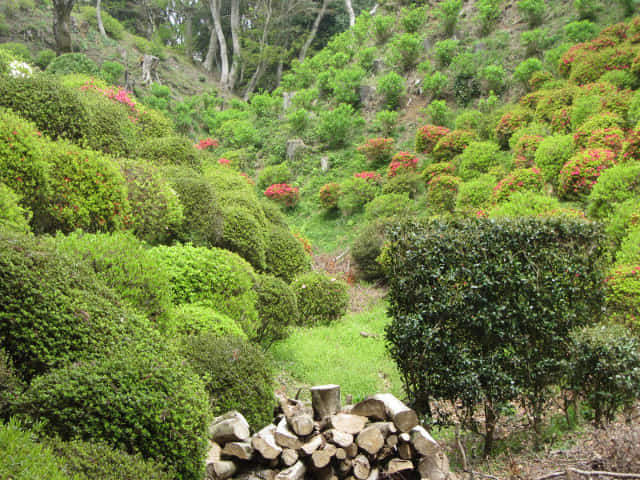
{"x": 329, "y": 195}
{"x": 273, "y": 174}
{"x": 581, "y": 172}
{"x": 427, "y": 137}
{"x": 242, "y": 233}
{"x": 171, "y": 150}
{"x": 509, "y": 123}
{"x": 388, "y": 205}
{"x": 286, "y": 195}
{"x": 377, "y": 150}
{"x": 623, "y": 294}
{"x": 525, "y": 204}
{"x": 406, "y": 183}
{"x": 525, "y": 70}
{"x": 525, "y": 150}
{"x": 44, "y": 58}
{"x": 626, "y": 215}
{"x": 10, "y": 384}
{"x": 452, "y": 144}
{"x": 13, "y": 217}
{"x": 367, "y": 247}
{"x": 631, "y": 147}
{"x": 477, "y": 159}
{"x": 476, "y": 194}
{"x": 237, "y": 375}
{"x": 277, "y": 309}
{"x": 93, "y": 400}
{"x": 152, "y": 123}
{"x": 442, "y": 191}
{"x": 200, "y": 317}
{"x": 43, "y": 99}
{"x": 606, "y": 139}
{"x": 285, "y": 255}
{"x": 552, "y": 153}
{"x": 629, "y": 252}
{"x": 402, "y": 163}
{"x": 616, "y": 185}
{"x": 521, "y": 179}
{"x": 54, "y": 310}
{"x": 355, "y": 193}
{"x": 601, "y": 121}
{"x": 321, "y": 298}
{"x": 68, "y": 63}
{"x": 435, "y": 169}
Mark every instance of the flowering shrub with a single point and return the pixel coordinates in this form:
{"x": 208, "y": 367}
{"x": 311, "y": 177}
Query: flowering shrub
{"x": 304, "y": 241}
{"x": 225, "y": 162}
{"x": 631, "y": 147}
{"x": 247, "y": 178}
{"x": 452, "y": 144}
{"x": 442, "y": 191}
{"x": 284, "y": 194}
{"x": 402, "y": 162}
{"x": 561, "y": 120}
{"x": 19, "y": 69}
{"x": 539, "y": 78}
{"x": 616, "y": 185}
{"x": 521, "y": 179}
{"x": 581, "y": 172}
{"x": 373, "y": 177}
{"x": 207, "y": 144}
{"x": 428, "y": 136}
{"x": 509, "y": 123}
{"x": 116, "y": 94}
{"x": 329, "y": 195}
{"x": 606, "y": 139}
{"x": 525, "y": 150}
{"x": 596, "y": 122}
{"x": 435, "y": 169}
{"x": 377, "y": 150}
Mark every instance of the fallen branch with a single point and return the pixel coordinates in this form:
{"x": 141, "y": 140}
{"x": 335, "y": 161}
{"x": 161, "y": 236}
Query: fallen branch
{"x": 552, "y": 475}
{"x": 485, "y": 475}
{"x": 603, "y": 474}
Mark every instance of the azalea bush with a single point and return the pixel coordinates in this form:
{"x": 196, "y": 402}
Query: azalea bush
{"x": 509, "y": 123}
{"x": 207, "y": 144}
{"x": 452, "y": 144}
{"x": 519, "y": 180}
{"x": 478, "y": 158}
{"x": 284, "y": 194}
{"x": 581, "y": 172}
{"x": 428, "y": 136}
{"x": 607, "y": 139}
{"x": 377, "y": 150}
{"x": 631, "y": 147}
{"x": 320, "y": 297}
{"x": 355, "y": 193}
{"x": 525, "y": 150}
{"x": 442, "y": 191}
{"x": 329, "y": 195}
{"x": 623, "y": 294}
{"x": 402, "y": 162}
{"x": 434, "y": 169}
{"x": 552, "y": 153}
{"x": 371, "y": 177}
{"x": 286, "y": 256}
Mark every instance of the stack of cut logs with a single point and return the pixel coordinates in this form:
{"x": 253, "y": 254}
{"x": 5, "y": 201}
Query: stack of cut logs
{"x": 378, "y": 437}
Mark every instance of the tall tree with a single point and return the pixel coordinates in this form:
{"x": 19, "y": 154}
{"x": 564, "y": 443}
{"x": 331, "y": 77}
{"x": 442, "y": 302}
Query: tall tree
{"x": 235, "y": 41}
{"x": 314, "y": 29}
{"x": 352, "y": 15}
{"x": 99, "y": 17}
{"x": 214, "y": 5}
{"x": 62, "y": 25}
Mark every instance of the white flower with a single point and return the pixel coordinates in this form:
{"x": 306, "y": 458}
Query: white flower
{"x": 20, "y": 69}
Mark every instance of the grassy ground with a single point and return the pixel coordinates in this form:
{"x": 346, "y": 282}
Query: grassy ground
{"x": 337, "y": 353}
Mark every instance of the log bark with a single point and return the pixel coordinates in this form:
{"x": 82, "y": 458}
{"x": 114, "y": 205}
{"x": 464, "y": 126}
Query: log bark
{"x": 352, "y": 450}
{"x": 344, "y": 466}
{"x": 371, "y": 408}
{"x": 341, "y": 439}
{"x": 398, "y": 465}
{"x": 370, "y": 440}
{"x": 391, "y": 440}
{"x": 325, "y": 400}
{"x": 214, "y": 452}
{"x": 231, "y": 427}
{"x": 326, "y": 473}
{"x": 212, "y": 51}
{"x": 312, "y": 445}
{"x": 361, "y": 467}
{"x": 402, "y": 416}
{"x": 302, "y": 425}
{"x": 221, "y": 469}
{"x": 434, "y": 467}
{"x": 348, "y": 423}
{"x": 404, "y": 451}
{"x": 294, "y": 472}
{"x": 322, "y": 457}
{"x": 239, "y": 450}
{"x": 374, "y": 475}
{"x": 264, "y": 442}
{"x": 285, "y": 437}
{"x": 423, "y": 442}
{"x": 289, "y": 457}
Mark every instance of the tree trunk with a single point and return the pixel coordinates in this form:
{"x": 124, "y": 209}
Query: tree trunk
{"x": 212, "y": 51}
{"x": 490, "y": 426}
{"x": 222, "y": 42}
{"x": 352, "y": 16}
{"x": 188, "y": 33}
{"x": 99, "y": 18}
{"x": 235, "y": 41}
{"x": 62, "y": 25}
{"x": 314, "y": 30}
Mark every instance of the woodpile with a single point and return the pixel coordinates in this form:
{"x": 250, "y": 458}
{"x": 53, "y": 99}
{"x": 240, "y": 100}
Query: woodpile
{"x": 379, "y": 437}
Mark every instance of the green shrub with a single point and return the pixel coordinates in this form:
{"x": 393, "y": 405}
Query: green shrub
{"x": 99, "y": 461}
{"x": 299, "y": 121}
{"x": 391, "y": 87}
{"x": 13, "y": 217}
{"x": 509, "y": 123}
{"x": 435, "y": 169}
{"x": 18, "y": 50}
{"x": 623, "y": 294}
{"x": 387, "y": 205}
{"x": 345, "y": 83}
{"x": 366, "y": 57}
{"x": 532, "y": 11}
{"x": 478, "y": 158}
{"x": 242, "y": 233}
{"x": 44, "y": 58}
{"x": 366, "y": 248}
{"x": 383, "y": 27}
{"x": 43, "y": 99}
{"x": 329, "y": 195}
{"x": 442, "y": 191}
{"x": 277, "y": 309}
{"x": 172, "y": 150}
{"x": 495, "y": 78}
{"x": 412, "y": 18}
{"x": 605, "y": 369}
{"x": 168, "y": 418}
{"x": 536, "y": 41}
{"x": 335, "y": 127}
{"x": 124, "y": 264}
{"x": 273, "y": 174}
{"x": 552, "y": 153}
{"x": 489, "y": 12}
{"x": 212, "y": 276}
{"x": 593, "y": 123}
{"x": 427, "y": 137}
{"x": 439, "y": 112}
{"x": 581, "y": 172}
{"x": 448, "y": 12}
{"x": 519, "y": 180}
{"x": 469, "y": 120}
{"x": 629, "y": 252}
{"x": 626, "y": 215}
{"x": 68, "y": 63}
{"x": 586, "y": 9}
{"x": 541, "y": 79}
{"x": 526, "y": 69}
{"x": 407, "y": 183}
{"x": 386, "y": 122}
{"x": 321, "y": 298}
{"x": 452, "y": 144}
{"x": 525, "y": 150}
{"x": 111, "y": 72}
{"x": 112, "y": 26}
{"x": 355, "y": 193}
{"x": 404, "y": 49}
{"x": 54, "y": 309}
{"x": 285, "y": 256}
{"x": 435, "y": 84}
{"x": 445, "y": 51}
{"x": 525, "y": 204}
{"x": 153, "y": 123}
{"x": 200, "y": 317}
{"x": 507, "y": 317}
{"x": 10, "y": 384}
{"x": 616, "y": 185}
{"x": 553, "y": 56}
{"x": 582, "y": 31}
{"x": 23, "y": 458}
{"x": 619, "y": 78}
{"x": 475, "y": 195}
{"x": 237, "y": 375}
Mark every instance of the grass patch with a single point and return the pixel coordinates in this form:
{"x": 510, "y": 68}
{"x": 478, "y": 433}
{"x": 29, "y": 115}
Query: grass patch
{"x": 337, "y": 353}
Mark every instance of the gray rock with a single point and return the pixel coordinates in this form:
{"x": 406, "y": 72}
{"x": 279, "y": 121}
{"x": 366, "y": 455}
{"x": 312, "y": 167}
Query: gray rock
{"x": 295, "y": 148}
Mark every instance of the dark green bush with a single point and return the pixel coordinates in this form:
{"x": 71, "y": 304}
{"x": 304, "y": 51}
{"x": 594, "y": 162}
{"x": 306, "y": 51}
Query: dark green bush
{"x": 153, "y": 123}
{"x": 237, "y": 374}
{"x": 112, "y": 72}
{"x": 44, "y": 58}
{"x": 22, "y": 458}
{"x": 388, "y": 205}
{"x": 124, "y": 264}
{"x": 605, "y": 369}
{"x": 200, "y": 317}
{"x": 213, "y": 276}
{"x": 321, "y": 298}
{"x": 391, "y": 87}
{"x": 366, "y": 249}
{"x": 243, "y": 234}
{"x": 615, "y": 185}
{"x": 510, "y": 317}
{"x": 10, "y": 384}
{"x": 99, "y": 461}
{"x": 285, "y": 255}
{"x": 277, "y": 309}
{"x": 54, "y": 309}
{"x": 171, "y": 150}
{"x": 68, "y": 63}
{"x": 139, "y": 399}
{"x": 54, "y": 108}
{"x": 355, "y": 193}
